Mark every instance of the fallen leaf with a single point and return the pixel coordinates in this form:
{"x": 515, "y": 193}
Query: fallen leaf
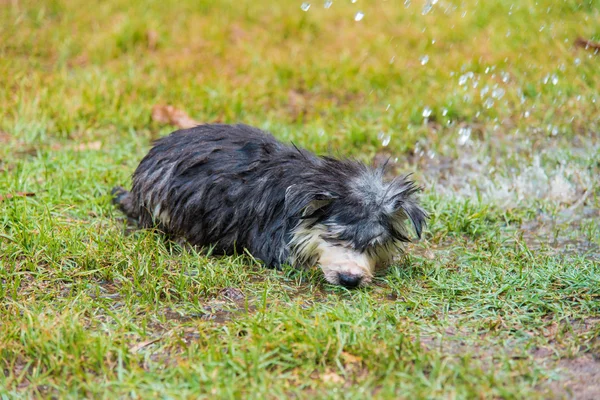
{"x": 171, "y": 115}
{"x": 236, "y": 33}
{"x": 18, "y": 194}
{"x": 88, "y": 146}
{"x": 587, "y": 44}
{"x": 138, "y": 346}
{"x": 4, "y": 137}
{"x": 297, "y": 104}
{"x": 152, "y": 39}
{"x": 350, "y": 358}
{"x": 551, "y": 330}
{"x": 332, "y": 377}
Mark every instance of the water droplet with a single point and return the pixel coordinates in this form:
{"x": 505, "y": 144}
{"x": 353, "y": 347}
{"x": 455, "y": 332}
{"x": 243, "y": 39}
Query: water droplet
{"x": 321, "y": 132}
{"x": 427, "y": 7}
{"x": 463, "y": 79}
{"x": 359, "y": 16}
{"x": 353, "y": 1}
{"x": 554, "y": 79}
{"x": 464, "y": 134}
{"x": 542, "y": 27}
{"x": 427, "y": 112}
{"x": 464, "y": 14}
{"x": 498, "y": 93}
{"x": 432, "y": 41}
{"x": 406, "y": 3}
{"x": 388, "y": 107}
{"x": 505, "y": 76}
{"x": 444, "y": 112}
{"x": 508, "y": 33}
{"x": 384, "y": 138}
{"x": 484, "y": 91}
{"x": 328, "y": 4}
{"x": 554, "y": 130}
{"x": 526, "y": 114}
{"x": 424, "y": 59}
{"x": 488, "y": 103}
{"x": 577, "y": 61}
{"x": 431, "y": 154}
{"x": 305, "y": 6}
{"x": 392, "y": 59}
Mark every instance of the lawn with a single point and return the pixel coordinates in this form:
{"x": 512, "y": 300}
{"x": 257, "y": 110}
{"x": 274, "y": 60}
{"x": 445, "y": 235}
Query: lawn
{"x": 493, "y": 106}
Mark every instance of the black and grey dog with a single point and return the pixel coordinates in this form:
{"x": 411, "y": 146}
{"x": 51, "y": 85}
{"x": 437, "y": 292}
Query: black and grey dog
{"x": 235, "y": 187}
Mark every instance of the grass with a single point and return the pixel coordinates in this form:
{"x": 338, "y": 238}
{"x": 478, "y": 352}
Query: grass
{"x": 500, "y": 299}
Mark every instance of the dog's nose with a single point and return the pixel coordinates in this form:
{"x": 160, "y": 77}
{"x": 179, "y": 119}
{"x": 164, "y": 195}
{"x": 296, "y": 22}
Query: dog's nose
{"x": 349, "y": 280}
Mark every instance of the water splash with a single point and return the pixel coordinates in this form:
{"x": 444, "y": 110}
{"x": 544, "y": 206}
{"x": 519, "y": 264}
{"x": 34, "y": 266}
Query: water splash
{"x": 498, "y": 93}
{"x": 427, "y": 7}
{"x": 465, "y": 77}
{"x": 464, "y": 135}
{"x": 305, "y": 7}
{"x": 385, "y": 138}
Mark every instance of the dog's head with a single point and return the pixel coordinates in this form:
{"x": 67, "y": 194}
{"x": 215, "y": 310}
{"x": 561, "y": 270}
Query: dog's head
{"x": 352, "y": 222}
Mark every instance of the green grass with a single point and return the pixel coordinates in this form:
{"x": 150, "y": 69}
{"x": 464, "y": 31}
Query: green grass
{"x": 500, "y": 299}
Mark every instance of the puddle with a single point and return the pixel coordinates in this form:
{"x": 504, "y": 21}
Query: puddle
{"x": 229, "y": 304}
{"x": 551, "y": 173}
{"x": 557, "y": 234}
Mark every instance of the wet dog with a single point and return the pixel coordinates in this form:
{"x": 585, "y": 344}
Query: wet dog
{"x": 234, "y": 187}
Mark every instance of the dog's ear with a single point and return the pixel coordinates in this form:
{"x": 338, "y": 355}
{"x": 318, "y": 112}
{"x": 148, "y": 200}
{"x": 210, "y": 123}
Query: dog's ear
{"x": 316, "y": 207}
{"x": 402, "y": 194}
{"x": 307, "y": 203}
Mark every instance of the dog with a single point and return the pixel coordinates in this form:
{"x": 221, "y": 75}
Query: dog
{"x": 235, "y": 187}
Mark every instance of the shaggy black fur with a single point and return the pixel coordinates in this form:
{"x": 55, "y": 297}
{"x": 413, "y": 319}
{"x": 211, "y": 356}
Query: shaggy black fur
{"x": 235, "y": 187}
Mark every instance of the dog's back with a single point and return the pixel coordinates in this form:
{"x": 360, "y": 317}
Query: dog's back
{"x": 220, "y": 185}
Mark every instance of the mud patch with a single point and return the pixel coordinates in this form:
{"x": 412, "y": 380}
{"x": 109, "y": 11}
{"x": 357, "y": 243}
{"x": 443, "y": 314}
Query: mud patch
{"x": 582, "y": 379}
{"x": 563, "y": 234}
{"x": 228, "y": 305}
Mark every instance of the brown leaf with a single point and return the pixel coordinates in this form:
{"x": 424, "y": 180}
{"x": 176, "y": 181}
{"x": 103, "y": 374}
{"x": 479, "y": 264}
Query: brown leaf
{"x": 18, "y": 194}
{"x": 350, "y": 358}
{"x": 551, "y": 330}
{"x": 4, "y": 137}
{"x": 165, "y": 114}
{"x": 297, "y": 104}
{"x": 332, "y": 377}
{"x": 152, "y": 39}
{"x": 88, "y": 146}
{"x": 138, "y": 346}
{"x": 587, "y": 44}
{"x": 237, "y": 34}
